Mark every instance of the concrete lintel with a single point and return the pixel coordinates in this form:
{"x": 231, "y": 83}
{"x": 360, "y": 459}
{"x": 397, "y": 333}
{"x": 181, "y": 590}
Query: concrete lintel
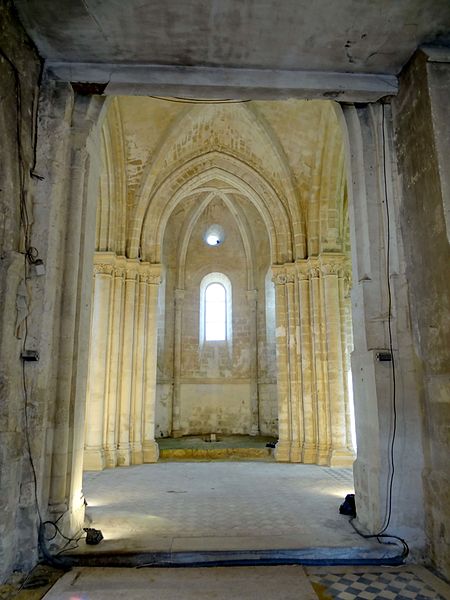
{"x": 226, "y": 83}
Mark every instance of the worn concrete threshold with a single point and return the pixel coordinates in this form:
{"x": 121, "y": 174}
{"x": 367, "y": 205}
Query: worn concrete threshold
{"x": 387, "y": 554}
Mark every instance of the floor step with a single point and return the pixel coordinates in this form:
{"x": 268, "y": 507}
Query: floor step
{"x": 216, "y": 453}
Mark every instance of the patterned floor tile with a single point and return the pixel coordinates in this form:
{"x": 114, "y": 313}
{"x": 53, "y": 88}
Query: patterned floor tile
{"x": 376, "y": 586}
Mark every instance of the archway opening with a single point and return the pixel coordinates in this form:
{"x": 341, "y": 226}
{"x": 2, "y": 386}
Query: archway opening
{"x": 276, "y": 205}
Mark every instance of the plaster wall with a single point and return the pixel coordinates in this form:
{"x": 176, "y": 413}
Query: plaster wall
{"x": 422, "y": 117}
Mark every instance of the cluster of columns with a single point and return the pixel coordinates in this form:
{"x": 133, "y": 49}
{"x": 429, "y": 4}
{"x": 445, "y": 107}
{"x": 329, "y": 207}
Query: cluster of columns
{"x": 120, "y": 426}
{"x": 313, "y": 344}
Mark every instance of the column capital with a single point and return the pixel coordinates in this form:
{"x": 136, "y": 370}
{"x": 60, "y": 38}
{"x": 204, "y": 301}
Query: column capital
{"x": 103, "y": 269}
{"x": 150, "y": 273}
{"x": 302, "y": 269}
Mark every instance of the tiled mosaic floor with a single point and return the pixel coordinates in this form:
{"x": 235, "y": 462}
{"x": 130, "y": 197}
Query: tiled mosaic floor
{"x": 406, "y": 583}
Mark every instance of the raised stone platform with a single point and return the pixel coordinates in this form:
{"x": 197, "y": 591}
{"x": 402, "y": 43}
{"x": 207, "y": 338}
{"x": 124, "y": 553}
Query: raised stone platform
{"x": 222, "y": 447}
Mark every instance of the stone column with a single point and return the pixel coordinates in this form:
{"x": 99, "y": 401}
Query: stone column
{"x": 295, "y": 397}
{"x": 307, "y": 367}
{"x": 117, "y": 313}
{"x": 339, "y": 455}
{"x": 94, "y": 457}
{"x": 282, "y": 450}
{"x": 176, "y": 408}
{"x": 137, "y": 405}
{"x": 150, "y": 447}
{"x": 126, "y": 388}
{"x": 319, "y": 385}
{"x": 252, "y": 298}
{"x": 346, "y": 337}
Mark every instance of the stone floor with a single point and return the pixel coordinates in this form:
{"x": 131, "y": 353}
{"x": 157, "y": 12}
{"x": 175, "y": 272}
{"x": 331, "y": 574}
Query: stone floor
{"x": 251, "y": 583}
{"x": 219, "y": 506}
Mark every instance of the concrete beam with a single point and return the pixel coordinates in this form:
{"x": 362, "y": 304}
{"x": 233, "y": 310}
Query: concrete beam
{"x": 226, "y": 83}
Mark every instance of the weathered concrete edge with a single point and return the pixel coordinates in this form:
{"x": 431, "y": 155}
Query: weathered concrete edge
{"x": 226, "y": 83}
{"x": 305, "y": 556}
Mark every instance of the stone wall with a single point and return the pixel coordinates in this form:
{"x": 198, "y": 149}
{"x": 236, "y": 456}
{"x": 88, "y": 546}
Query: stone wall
{"x": 19, "y": 79}
{"x": 422, "y": 118}
{"x": 214, "y": 380}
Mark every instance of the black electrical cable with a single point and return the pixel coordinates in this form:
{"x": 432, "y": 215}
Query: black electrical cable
{"x": 387, "y": 519}
{"x": 388, "y": 281}
{"x": 178, "y": 100}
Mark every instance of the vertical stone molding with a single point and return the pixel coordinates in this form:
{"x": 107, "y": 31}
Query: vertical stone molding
{"x": 309, "y": 413}
{"x": 252, "y": 298}
{"x": 122, "y": 367}
{"x": 150, "y": 447}
{"x": 283, "y": 447}
{"x": 311, "y": 357}
{"x": 178, "y": 329}
{"x": 331, "y": 270}
{"x": 94, "y": 456}
{"x": 114, "y": 379}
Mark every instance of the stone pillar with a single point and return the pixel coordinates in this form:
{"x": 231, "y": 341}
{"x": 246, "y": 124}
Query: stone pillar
{"x": 295, "y": 397}
{"x": 114, "y": 372}
{"x": 339, "y": 455}
{"x": 137, "y": 405}
{"x": 177, "y": 333}
{"x": 309, "y": 414}
{"x": 319, "y": 358}
{"x": 150, "y": 447}
{"x": 373, "y": 182}
{"x": 94, "y": 457}
{"x": 252, "y": 298}
{"x": 282, "y": 450}
{"x": 347, "y": 345}
{"x": 126, "y": 388}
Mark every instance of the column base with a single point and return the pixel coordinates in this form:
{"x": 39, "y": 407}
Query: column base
{"x": 93, "y": 459}
{"x": 137, "y": 455}
{"x": 123, "y": 455}
{"x": 341, "y": 457}
{"x": 150, "y": 451}
{"x": 323, "y": 456}
{"x": 296, "y": 453}
{"x": 110, "y": 458}
{"x": 309, "y": 454}
{"x": 282, "y": 452}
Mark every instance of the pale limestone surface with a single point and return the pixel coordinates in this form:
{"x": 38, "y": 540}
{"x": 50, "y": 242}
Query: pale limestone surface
{"x": 251, "y": 583}
{"x": 219, "y": 506}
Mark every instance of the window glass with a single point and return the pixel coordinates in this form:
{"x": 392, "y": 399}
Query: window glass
{"x": 215, "y": 312}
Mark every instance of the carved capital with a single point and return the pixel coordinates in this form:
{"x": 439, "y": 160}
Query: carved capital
{"x": 331, "y": 268}
{"x": 280, "y": 279}
{"x": 314, "y": 272}
{"x": 103, "y": 269}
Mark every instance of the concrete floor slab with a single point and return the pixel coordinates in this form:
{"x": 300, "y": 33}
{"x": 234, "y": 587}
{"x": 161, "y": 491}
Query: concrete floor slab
{"x": 251, "y": 583}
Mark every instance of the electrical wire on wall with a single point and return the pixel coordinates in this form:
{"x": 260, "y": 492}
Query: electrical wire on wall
{"x": 381, "y": 534}
{"x": 31, "y": 257}
{"x": 178, "y": 100}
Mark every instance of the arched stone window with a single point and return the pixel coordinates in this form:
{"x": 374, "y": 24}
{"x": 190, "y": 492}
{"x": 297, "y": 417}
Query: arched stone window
{"x": 215, "y": 308}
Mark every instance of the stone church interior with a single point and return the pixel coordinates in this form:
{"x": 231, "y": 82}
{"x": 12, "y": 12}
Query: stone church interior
{"x": 225, "y": 246}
